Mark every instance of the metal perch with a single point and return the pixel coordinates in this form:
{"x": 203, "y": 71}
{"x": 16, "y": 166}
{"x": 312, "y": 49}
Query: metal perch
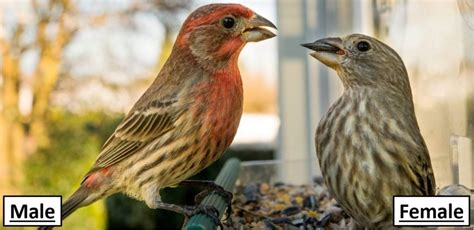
{"x": 226, "y": 178}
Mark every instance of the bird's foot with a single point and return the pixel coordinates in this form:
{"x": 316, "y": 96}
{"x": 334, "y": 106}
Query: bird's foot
{"x": 209, "y": 211}
{"x": 226, "y": 195}
{"x": 211, "y": 188}
{"x": 189, "y": 211}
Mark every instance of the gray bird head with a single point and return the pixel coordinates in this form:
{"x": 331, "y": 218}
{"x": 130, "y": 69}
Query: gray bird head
{"x": 361, "y": 60}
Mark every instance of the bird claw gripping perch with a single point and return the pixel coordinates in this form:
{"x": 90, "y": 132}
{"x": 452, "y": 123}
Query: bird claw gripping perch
{"x": 211, "y": 188}
{"x": 189, "y": 211}
{"x": 226, "y": 195}
{"x": 209, "y": 211}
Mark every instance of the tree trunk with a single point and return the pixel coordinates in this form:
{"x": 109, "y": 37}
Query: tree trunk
{"x": 10, "y": 123}
{"x": 20, "y": 134}
{"x": 47, "y": 72}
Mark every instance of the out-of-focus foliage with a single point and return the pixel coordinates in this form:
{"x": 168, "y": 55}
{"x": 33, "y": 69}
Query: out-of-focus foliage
{"x": 59, "y": 167}
{"x": 22, "y": 127}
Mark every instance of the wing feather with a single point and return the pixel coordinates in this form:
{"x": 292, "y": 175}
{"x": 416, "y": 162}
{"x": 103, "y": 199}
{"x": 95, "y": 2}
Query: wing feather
{"x": 420, "y": 166}
{"x": 137, "y": 130}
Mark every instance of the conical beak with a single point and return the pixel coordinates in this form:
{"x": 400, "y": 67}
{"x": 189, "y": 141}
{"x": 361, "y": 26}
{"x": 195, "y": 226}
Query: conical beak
{"x": 256, "y": 30}
{"x": 331, "y": 45}
{"x": 329, "y": 51}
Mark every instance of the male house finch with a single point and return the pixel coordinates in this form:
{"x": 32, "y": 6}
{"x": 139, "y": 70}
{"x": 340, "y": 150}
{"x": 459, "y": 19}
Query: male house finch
{"x": 368, "y": 144}
{"x": 186, "y": 119}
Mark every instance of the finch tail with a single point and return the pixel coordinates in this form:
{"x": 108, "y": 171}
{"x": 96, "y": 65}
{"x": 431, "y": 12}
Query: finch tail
{"x": 75, "y": 201}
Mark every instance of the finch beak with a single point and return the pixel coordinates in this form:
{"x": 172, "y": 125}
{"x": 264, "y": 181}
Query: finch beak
{"x": 329, "y": 51}
{"x": 255, "y": 31}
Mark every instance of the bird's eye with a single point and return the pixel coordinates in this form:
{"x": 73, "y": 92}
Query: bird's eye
{"x": 363, "y": 46}
{"x": 228, "y": 22}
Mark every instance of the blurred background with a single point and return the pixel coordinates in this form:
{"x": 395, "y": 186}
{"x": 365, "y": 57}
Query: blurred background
{"x": 70, "y": 69}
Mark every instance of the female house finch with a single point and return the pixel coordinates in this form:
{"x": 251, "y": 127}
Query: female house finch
{"x": 368, "y": 144}
{"x": 186, "y": 119}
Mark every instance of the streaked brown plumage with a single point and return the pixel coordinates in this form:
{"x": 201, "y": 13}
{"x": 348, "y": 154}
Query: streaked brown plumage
{"x": 186, "y": 119}
{"x": 369, "y": 144}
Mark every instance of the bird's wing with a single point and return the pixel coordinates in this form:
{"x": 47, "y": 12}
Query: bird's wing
{"x": 426, "y": 182}
{"x": 138, "y": 128}
{"x": 431, "y": 183}
{"x": 423, "y": 171}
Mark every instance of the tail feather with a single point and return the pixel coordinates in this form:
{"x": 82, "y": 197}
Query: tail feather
{"x": 75, "y": 201}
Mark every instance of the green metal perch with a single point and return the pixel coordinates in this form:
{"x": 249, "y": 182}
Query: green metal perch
{"x": 226, "y": 178}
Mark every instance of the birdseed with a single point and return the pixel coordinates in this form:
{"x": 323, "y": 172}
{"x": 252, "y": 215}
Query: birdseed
{"x": 285, "y": 206}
